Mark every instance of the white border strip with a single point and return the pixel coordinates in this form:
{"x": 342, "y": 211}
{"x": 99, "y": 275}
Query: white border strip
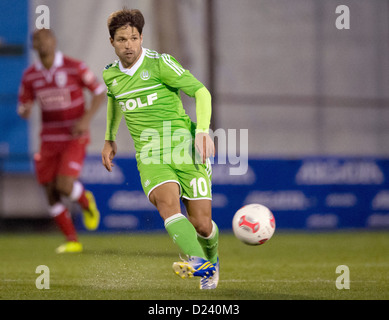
{"x": 137, "y": 90}
{"x": 196, "y": 198}
{"x": 174, "y": 218}
{"x": 163, "y": 182}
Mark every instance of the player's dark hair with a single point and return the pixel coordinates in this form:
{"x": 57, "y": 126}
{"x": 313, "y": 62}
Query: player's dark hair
{"x": 131, "y": 17}
{"x": 43, "y": 30}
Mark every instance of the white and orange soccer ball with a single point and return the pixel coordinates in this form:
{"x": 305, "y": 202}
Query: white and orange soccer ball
{"x": 253, "y": 224}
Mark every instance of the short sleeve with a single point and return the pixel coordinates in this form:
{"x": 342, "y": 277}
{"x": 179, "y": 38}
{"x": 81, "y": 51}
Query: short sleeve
{"x": 89, "y": 80}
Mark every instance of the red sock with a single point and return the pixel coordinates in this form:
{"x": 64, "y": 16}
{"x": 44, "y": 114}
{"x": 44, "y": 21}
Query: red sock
{"x": 78, "y": 194}
{"x": 83, "y": 200}
{"x": 65, "y": 223}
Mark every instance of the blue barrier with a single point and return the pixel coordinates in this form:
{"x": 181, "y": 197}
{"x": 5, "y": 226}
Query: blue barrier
{"x": 311, "y": 193}
{"x": 13, "y": 60}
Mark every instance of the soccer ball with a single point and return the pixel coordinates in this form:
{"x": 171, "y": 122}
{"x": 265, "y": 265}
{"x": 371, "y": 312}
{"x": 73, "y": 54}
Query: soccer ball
{"x": 253, "y": 224}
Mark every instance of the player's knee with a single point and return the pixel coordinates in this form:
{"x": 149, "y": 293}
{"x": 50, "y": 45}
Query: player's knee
{"x": 64, "y": 186}
{"x": 52, "y": 194}
{"x": 203, "y": 227}
{"x": 166, "y": 206}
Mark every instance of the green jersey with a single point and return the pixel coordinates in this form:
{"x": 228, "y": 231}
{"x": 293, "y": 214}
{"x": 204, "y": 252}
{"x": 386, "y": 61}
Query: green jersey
{"x": 148, "y": 96}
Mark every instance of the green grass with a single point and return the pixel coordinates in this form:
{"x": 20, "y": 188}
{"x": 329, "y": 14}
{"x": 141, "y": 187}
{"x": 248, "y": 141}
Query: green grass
{"x": 138, "y": 266}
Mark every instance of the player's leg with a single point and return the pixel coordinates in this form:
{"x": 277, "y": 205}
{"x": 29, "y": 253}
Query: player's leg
{"x": 46, "y": 166}
{"x": 67, "y": 183}
{"x": 197, "y": 197}
{"x": 200, "y": 215}
{"x": 160, "y": 184}
{"x": 72, "y": 188}
{"x": 166, "y": 198}
{"x": 60, "y": 213}
{"x": 162, "y": 188}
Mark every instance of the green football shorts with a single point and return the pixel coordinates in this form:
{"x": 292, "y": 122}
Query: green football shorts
{"x": 194, "y": 179}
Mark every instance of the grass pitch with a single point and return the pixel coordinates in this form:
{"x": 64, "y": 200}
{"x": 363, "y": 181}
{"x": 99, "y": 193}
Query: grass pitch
{"x": 291, "y": 266}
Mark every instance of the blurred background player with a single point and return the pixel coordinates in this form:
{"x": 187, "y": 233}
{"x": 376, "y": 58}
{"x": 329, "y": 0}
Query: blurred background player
{"x": 56, "y": 82}
{"x": 144, "y": 86}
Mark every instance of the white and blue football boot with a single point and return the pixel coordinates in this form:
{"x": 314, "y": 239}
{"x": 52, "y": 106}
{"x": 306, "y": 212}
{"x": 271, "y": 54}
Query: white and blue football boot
{"x": 211, "y": 282}
{"x": 195, "y": 267}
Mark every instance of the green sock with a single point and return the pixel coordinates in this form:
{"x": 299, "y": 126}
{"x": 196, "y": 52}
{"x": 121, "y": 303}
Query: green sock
{"x": 210, "y": 244}
{"x": 184, "y": 235}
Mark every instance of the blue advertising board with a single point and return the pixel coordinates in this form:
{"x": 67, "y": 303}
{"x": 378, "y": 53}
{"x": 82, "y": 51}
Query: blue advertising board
{"x": 13, "y": 60}
{"x": 311, "y": 193}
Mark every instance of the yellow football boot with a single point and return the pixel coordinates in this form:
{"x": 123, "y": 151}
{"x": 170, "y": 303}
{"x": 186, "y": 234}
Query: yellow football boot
{"x": 69, "y": 247}
{"x": 91, "y": 216}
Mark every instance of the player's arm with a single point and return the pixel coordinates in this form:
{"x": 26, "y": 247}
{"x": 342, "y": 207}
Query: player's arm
{"x": 89, "y": 81}
{"x": 82, "y": 126}
{"x": 25, "y": 98}
{"x": 173, "y": 74}
{"x": 203, "y": 142}
{"x": 114, "y": 117}
{"x": 24, "y": 109}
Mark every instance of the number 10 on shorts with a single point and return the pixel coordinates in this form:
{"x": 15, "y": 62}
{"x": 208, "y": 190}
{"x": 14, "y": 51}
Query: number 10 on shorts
{"x": 199, "y": 187}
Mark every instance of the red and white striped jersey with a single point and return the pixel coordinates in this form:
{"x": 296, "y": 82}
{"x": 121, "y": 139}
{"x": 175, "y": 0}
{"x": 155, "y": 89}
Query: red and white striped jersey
{"x": 59, "y": 93}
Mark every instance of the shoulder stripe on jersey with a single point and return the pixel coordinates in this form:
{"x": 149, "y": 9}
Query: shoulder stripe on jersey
{"x": 175, "y": 64}
{"x": 152, "y": 54}
{"x": 151, "y": 51}
{"x": 172, "y": 64}
{"x": 177, "y": 69}
{"x": 137, "y": 90}
{"x": 152, "y": 57}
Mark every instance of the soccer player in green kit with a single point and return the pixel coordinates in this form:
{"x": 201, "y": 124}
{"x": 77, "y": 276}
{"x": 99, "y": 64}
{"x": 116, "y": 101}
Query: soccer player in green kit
{"x": 172, "y": 152}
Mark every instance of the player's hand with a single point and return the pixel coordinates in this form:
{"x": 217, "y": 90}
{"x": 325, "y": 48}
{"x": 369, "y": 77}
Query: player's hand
{"x": 108, "y": 153}
{"x": 204, "y": 146}
{"x": 80, "y": 127}
{"x": 24, "y": 110}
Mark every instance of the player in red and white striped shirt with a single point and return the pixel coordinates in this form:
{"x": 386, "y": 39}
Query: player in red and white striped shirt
{"x": 56, "y": 82}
